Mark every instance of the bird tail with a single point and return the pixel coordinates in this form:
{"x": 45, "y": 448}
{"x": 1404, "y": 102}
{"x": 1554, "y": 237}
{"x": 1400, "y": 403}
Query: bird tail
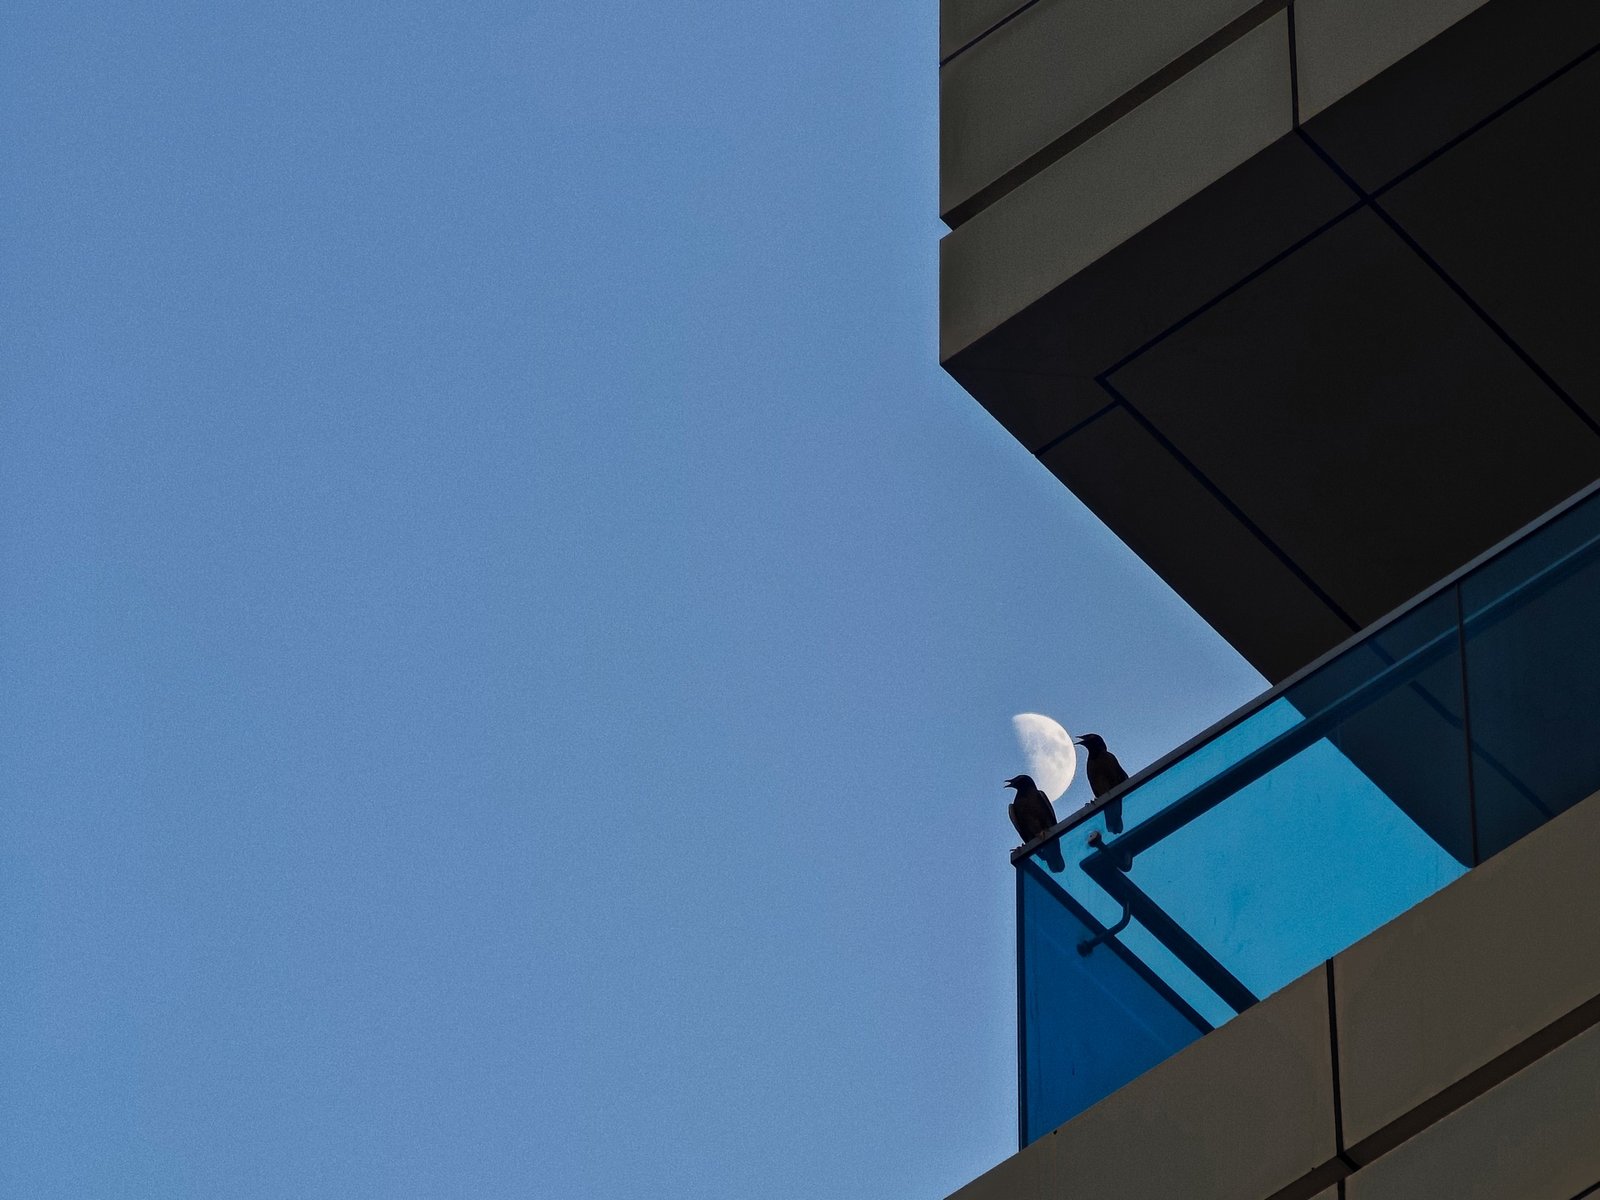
{"x": 1050, "y": 854}
{"x": 1113, "y": 813}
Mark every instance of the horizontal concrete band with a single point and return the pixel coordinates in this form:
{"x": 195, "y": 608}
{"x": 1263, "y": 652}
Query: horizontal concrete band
{"x": 1033, "y": 82}
{"x": 1079, "y": 207}
{"x": 1579, "y": 1023}
{"x": 1010, "y": 111}
{"x": 964, "y": 23}
{"x": 1535, "y": 1087}
{"x": 1534, "y": 1137}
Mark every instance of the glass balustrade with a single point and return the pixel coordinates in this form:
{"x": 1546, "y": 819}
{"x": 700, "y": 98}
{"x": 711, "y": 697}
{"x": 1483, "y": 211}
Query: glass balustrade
{"x": 1314, "y": 815}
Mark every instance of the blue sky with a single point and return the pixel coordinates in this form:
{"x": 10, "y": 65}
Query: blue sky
{"x": 509, "y": 636}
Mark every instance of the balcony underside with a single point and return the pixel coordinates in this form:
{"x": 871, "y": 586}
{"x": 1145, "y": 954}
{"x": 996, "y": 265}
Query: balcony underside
{"x": 1342, "y": 370}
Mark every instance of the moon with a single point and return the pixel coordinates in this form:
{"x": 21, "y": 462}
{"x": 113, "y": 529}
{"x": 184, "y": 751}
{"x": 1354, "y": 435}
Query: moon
{"x": 1052, "y": 758}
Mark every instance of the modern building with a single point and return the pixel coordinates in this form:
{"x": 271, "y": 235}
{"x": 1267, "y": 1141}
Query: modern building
{"x": 1303, "y": 301}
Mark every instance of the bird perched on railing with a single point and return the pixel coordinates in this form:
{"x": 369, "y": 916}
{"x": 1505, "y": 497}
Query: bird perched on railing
{"x": 1033, "y": 814}
{"x": 1104, "y": 772}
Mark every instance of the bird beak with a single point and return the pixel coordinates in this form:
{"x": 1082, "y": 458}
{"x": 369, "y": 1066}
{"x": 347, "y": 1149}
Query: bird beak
{"x": 1077, "y": 741}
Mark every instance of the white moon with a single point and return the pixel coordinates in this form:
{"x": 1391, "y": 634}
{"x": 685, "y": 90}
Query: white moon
{"x": 1052, "y": 758}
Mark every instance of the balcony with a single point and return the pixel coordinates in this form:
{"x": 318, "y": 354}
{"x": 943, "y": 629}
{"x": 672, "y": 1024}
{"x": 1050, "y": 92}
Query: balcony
{"x": 1315, "y": 814}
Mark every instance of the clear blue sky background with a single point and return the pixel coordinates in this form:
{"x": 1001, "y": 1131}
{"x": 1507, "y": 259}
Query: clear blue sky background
{"x": 508, "y": 635}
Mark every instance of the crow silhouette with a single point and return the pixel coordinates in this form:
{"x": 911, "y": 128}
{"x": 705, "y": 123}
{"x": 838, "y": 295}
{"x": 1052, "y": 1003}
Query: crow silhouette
{"x": 1032, "y": 814}
{"x": 1104, "y": 772}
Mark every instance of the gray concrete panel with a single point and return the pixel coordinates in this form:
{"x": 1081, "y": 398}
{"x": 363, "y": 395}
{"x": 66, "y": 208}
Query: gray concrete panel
{"x": 1117, "y": 183}
{"x": 1536, "y": 1136}
{"x": 1031, "y": 1174}
{"x": 1166, "y": 517}
{"x": 1340, "y": 44}
{"x": 1363, "y": 417}
{"x": 1041, "y": 74}
{"x": 1510, "y": 214}
{"x": 960, "y": 21}
{"x": 1245, "y": 1111}
{"x": 1036, "y": 373}
{"x": 1469, "y": 973}
{"x": 1457, "y": 80}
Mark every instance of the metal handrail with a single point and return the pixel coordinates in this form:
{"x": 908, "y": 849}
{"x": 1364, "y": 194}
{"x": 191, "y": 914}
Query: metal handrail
{"x": 1355, "y": 641}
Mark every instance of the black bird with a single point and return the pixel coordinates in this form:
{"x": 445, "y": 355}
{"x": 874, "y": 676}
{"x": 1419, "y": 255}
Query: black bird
{"x": 1104, "y": 772}
{"x": 1032, "y": 814}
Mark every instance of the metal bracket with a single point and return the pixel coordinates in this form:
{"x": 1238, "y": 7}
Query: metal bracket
{"x": 1105, "y": 935}
{"x": 1123, "y": 860}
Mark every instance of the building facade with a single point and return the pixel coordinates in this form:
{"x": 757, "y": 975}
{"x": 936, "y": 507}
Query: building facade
{"x": 1301, "y": 300}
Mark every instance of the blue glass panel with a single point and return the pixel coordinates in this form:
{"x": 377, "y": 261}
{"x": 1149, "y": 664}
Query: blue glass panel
{"x": 1533, "y": 672}
{"x": 1146, "y": 947}
{"x": 1181, "y": 777}
{"x": 1392, "y": 704}
{"x": 1210, "y": 759}
{"x": 1316, "y": 837}
{"x": 1293, "y": 868}
{"x": 1090, "y": 1022}
{"x": 1175, "y": 782}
